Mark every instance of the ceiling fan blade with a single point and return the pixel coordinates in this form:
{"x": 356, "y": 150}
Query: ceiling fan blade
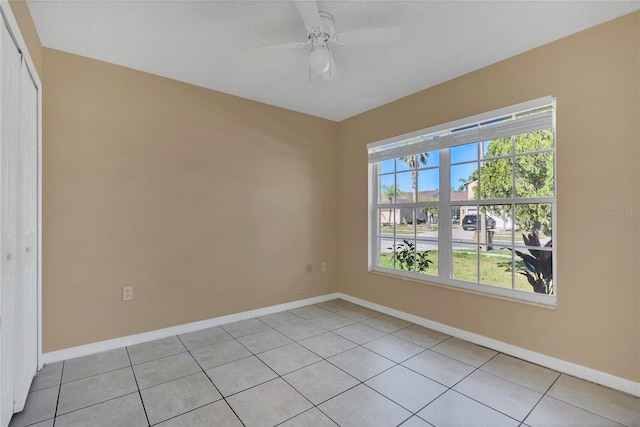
{"x": 276, "y": 47}
{"x": 332, "y": 72}
{"x": 371, "y": 35}
{"x": 308, "y": 10}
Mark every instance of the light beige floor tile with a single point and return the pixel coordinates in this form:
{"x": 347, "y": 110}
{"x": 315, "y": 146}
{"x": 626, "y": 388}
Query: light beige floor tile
{"x": 309, "y": 311}
{"x": 263, "y": 341}
{"x": 438, "y": 367}
{"x": 301, "y": 330}
{"x": 359, "y": 333}
{"x": 504, "y": 396}
{"x": 215, "y": 414}
{"x": 288, "y": 358}
{"x": 394, "y": 348}
{"x": 611, "y": 404}
{"x": 240, "y": 375}
{"x": 332, "y": 321}
{"x": 386, "y": 323}
{"x": 336, "y": 305}
{"x": 524, "y": 373}
{"x": 406, "y": 388}
{"x": 145, "y": 352}
{"x": 464, "y": 351}
{"x": 415, "y": 422}
{"x": 204, "y": 338}
{"x": 268, "y": 404}
{"x": 454, "y": 410}
{"x": 328, "y": 344}
{"x": 281, "y": 318}
{"x": 123, "y": 411}
{"x": 361, "y": 406}
{"x": 320, "y": 381}
{"x": 83, "y": 367}
{"x": 245, "y": 327}
{"x": 361, "y": 363}
{"x": 555, "y": 413}
{"x": 311, "y": 418}
{"x": 166, "y": 369}
{"x": 359, "y": 313}
{"x": 176, "y": 397}
{"x": 219, "y": 354}
{"x": 50, "y": 375}
{"x": 46, "y": 423}
{"x": 96, "y": 389}
{"x": 40, "y": 406}
{"x": 422, "y": 336}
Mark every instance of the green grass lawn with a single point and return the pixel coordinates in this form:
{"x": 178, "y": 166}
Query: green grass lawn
{"x": 495, "y": 268}
{"x": 408, "y": 229}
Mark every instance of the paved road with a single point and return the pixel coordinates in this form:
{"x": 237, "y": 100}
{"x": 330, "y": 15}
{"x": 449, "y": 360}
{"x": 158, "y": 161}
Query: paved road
{"x": 460, "y": 237}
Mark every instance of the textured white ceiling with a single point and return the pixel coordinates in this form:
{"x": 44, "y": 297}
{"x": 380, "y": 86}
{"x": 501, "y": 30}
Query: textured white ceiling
{"x": 204, "y": 42}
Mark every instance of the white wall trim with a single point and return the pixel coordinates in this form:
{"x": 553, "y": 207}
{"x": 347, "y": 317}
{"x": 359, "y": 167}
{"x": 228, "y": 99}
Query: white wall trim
{"x": 579, "y": 371}
{"x": 559, "y": 365}
{"x": 97, "y": 347}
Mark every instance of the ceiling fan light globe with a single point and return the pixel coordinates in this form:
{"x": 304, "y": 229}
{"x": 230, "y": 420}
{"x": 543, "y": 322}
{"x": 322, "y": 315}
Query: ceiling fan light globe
{"x": 319, "y": 60}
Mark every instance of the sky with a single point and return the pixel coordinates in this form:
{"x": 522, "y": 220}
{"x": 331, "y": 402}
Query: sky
{"x": 429, "y": 179}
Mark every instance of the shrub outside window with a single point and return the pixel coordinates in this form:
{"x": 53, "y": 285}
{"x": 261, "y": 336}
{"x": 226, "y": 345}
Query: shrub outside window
{"x": 470, "y": 203}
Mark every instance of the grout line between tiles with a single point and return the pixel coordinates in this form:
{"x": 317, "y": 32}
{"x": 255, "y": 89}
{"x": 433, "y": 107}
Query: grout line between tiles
{"x": 144, "y": 408}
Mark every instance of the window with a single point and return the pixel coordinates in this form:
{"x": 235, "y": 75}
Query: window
{"x": 470, "y": 203}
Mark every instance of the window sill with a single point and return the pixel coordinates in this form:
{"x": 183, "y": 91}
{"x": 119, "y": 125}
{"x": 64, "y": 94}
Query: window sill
{"x": 549, "y": 303}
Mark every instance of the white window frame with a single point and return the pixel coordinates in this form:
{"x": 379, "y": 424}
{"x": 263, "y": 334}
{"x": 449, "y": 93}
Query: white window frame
{"x": 440, "y": 138}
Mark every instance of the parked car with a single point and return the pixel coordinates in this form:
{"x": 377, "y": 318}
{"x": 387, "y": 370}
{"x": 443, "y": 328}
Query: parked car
{"x": 470, "y": 222}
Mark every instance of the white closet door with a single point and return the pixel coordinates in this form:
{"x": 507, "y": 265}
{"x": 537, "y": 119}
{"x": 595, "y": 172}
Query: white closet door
{"x": 26, "y": 338}
{"x": 9, "y": 89}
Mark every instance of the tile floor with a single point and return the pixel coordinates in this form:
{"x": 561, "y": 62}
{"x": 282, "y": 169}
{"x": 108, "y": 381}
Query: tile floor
{"x": 327, "y": 364}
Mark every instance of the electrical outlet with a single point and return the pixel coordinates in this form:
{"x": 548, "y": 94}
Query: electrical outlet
{"x": 309, "y": 268}
{"x": 324, "y": 267}
{"x": 127, "y": 293}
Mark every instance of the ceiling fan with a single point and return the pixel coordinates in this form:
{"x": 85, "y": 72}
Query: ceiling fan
{"x": 321, "y": 32}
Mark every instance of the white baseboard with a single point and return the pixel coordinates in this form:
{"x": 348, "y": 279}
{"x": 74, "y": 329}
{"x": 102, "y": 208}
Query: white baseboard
{"x": 579, "y": 371}
{"x": 97, "y": 347}
{"x": 559, "y": 365}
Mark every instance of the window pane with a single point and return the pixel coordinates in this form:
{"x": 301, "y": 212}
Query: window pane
{"x": 534, "y": 217}
{"x": 387, "y": 166}
{"x": 404, "y": 254}
{"x": 464, "y": 178}
{"x": 465, "y": 230}
{"x": 497, "y": 147}
{"x": 387, "y": 221}
{"x": 534, "y": 175}
{"x": 385, "y": 251}
{"x": 427, "y": 225}
{"x": 429, "y": 185}
{"x": 387, "y": 188}
{"x": 496, "y": 179}
{"x": 433, "y": 158}
{"x": 535, "y": 266}
{"x": 455, "y": 214}
{"x": 496, "y": 268}
{"x": 499, "y": 220}
{"x": 464, "y": 153}
{"x": 404, "y": 188}
{"x": 534, "y": 141}
{"x": 465, "y": 263}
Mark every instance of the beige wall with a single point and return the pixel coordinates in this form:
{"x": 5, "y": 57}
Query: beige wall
{"x": 207, "y": 204}
{"x": 595, "y": 77}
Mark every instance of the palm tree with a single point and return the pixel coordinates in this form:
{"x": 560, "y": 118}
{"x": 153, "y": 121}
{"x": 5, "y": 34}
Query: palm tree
{"x": 414, "y": 161}
{"x": 389, "y": 192}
